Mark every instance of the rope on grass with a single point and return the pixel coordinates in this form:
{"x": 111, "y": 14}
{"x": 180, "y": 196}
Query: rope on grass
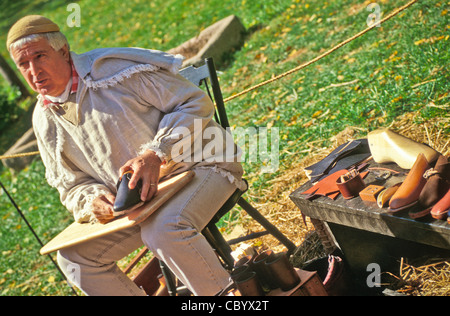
{"x": 389, "y": 16}
{"x": 19, "y": 155}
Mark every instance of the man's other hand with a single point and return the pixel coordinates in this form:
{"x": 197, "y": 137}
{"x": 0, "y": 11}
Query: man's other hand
{"x": 145, "y": 167}
{"x": 103, "y": 208}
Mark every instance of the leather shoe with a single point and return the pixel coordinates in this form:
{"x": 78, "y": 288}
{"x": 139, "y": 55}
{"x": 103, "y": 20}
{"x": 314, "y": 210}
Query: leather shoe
{"x": 441, "y": 208}
{"x": 126, "y": 199}
{"x": 438, "y": 183}
{"x": 408, "y": 193}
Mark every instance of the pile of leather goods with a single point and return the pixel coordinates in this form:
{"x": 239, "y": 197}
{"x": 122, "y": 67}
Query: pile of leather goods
{"x": 427, "y": 183}
{"x": 425, "y": 189}
{"x": 343, "y": 157}
{"x": 340, "y": 170}
{"x": 272, "y": 274}
{"x": 258, "y": 274}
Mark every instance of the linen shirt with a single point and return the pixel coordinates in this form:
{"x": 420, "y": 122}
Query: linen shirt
{"x": 128, "y": 100}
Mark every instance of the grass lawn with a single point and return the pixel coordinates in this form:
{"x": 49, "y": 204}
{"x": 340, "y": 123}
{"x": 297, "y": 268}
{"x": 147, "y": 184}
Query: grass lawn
{"x": 398, "y": 68}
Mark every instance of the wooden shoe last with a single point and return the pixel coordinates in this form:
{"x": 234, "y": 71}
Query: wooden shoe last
{"x": 388, "y": 146}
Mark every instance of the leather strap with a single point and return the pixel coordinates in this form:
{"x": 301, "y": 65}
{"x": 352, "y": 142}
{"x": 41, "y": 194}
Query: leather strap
{"x": 441, "y": 170}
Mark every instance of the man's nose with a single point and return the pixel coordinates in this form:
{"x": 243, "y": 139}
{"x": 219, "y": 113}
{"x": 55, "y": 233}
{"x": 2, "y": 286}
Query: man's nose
{"x": 35, "y": 69}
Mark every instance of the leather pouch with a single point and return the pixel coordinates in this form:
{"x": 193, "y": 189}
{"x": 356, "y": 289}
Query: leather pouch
{"x": 370, "y": 193}
{"x": 350, "y": 184}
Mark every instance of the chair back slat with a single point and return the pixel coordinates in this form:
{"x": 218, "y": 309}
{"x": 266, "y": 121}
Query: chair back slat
{"x": 199, "y": 76}
{"x": 195, "y": 75}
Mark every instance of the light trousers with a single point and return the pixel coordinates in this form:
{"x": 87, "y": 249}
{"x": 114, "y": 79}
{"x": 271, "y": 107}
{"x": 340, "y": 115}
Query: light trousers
{"x": 172, "y": 233}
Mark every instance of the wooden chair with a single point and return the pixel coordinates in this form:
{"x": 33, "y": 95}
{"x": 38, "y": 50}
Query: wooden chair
{"x": 206, "y": 77}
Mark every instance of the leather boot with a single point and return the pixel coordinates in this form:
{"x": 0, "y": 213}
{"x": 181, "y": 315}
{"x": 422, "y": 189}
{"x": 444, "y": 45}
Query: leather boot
{"x": 263, "y": 273}
{"x": 282, "y": 271}
{"x": 438, "y": 183}
{"x": 408, "y": 193}
{"x": 248, "y": 285}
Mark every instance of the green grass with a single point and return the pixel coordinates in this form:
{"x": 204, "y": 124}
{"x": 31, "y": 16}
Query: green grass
{"x": 398, "y": 68}
{"x": 23, "y": 271}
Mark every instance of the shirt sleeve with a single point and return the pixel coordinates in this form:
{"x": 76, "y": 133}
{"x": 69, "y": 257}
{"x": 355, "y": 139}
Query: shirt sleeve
{"x": 187, "y": 111}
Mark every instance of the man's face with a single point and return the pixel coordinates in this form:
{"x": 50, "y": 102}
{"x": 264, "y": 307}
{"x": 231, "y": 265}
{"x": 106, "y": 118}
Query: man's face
{"x": 47, "y": 71}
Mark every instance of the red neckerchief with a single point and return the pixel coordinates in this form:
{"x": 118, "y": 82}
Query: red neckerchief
{"x": 75, "y": 78}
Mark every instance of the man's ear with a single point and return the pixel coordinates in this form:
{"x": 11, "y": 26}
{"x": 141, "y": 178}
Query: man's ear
{"x": 64, "y": 51}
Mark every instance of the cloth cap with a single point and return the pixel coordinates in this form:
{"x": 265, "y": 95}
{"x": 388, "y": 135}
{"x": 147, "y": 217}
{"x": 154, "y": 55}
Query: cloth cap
{"x": 30, "y": 24}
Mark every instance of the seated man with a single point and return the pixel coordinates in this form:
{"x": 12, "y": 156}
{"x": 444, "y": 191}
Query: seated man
{"x": 110, "y": 110}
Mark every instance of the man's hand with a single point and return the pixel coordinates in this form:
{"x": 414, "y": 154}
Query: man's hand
{"x": 145, "y": 167}
{"x": 103, "y": 208}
